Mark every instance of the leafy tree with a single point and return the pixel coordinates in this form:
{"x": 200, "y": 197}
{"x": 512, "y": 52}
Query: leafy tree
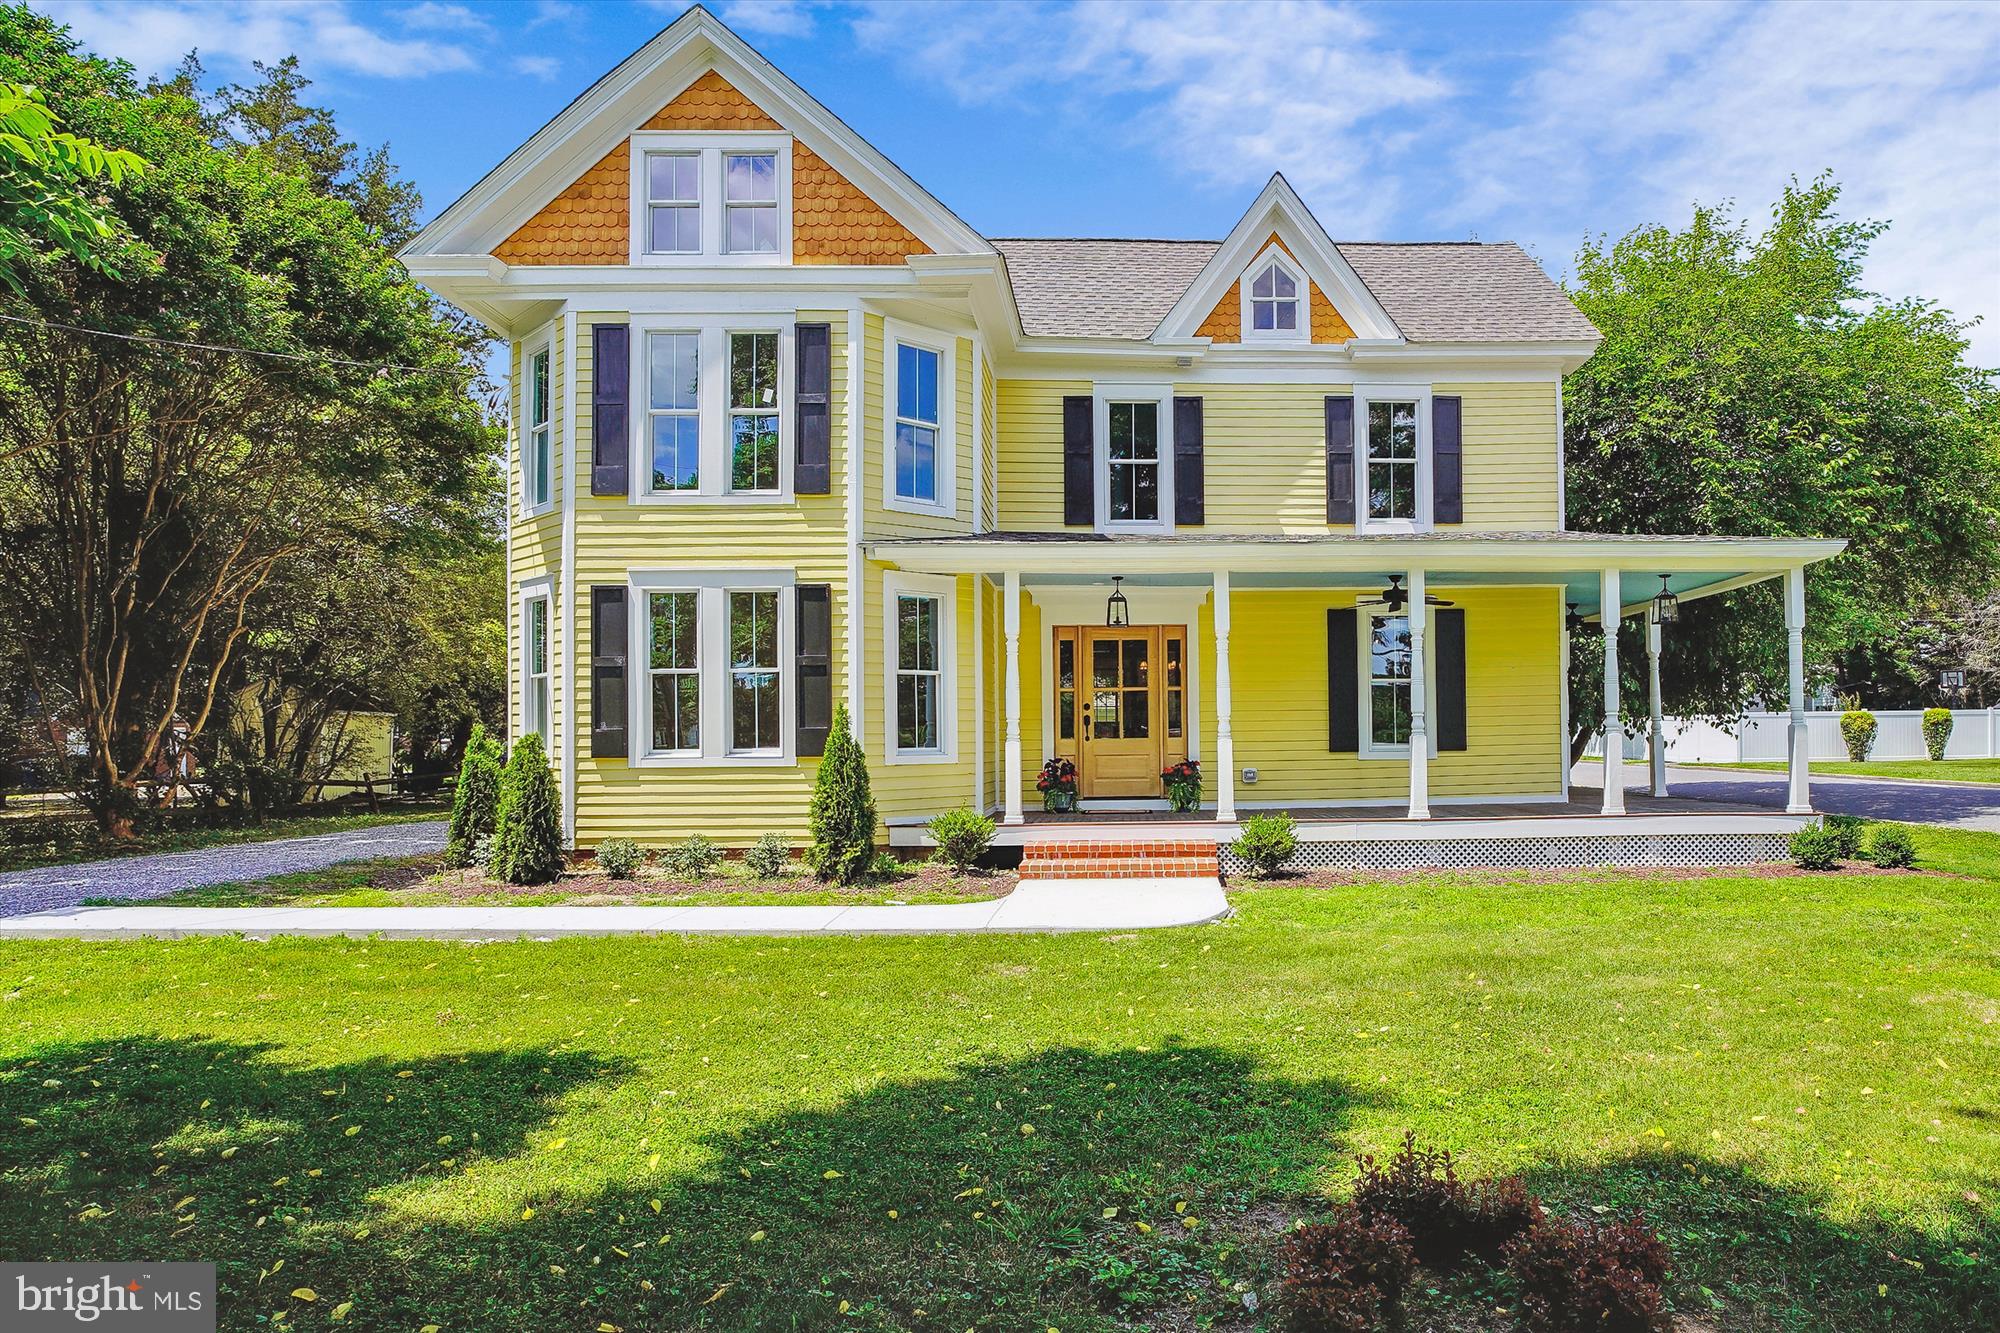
{"x": 1748, "y": 386}
{"x": 153, "y": 497}
{"x": 527, "y": 825}
{"x": 843, "y": 809}
{"x": 44, "y": 175}
{"x": 475, "y": 803}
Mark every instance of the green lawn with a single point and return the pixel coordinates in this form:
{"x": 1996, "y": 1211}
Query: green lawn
{"x": 1794, "y": 1077}
{"x": 1939, "y": 770}
{"x": 29, "y": 840}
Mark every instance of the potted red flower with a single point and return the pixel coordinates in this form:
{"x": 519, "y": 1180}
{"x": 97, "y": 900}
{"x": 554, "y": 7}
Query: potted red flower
{"x": 1183, "y": 784}
{"x": 1057, "y": 785}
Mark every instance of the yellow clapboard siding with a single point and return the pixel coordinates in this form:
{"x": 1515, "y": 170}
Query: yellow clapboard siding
{"x": 1512, "y": 473}
{"x": 1263, "y": 456}
{"x": 903, "y": 790}
{"x": 877, "y": 518}
{"x": 1029, "y": 442}
{"x": 1513, "y": 687}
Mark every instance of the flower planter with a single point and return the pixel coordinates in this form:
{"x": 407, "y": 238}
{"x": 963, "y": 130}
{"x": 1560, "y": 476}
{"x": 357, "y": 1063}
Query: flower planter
{"x": 1059, "y": 802}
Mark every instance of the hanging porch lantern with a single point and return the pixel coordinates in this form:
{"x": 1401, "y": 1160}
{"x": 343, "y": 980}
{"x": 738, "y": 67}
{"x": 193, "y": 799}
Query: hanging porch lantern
{"x": 1666, "y": 606}
{"x": 1574, "y": 621}
{"x": 1117, "y": 611}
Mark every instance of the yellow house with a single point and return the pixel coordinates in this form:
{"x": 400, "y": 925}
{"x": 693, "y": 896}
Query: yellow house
{"x": 788, "y": 434}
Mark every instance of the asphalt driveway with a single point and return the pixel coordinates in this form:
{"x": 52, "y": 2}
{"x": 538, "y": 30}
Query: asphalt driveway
{"x": 162, "y": 873}
{"x": 1958, "y": 804}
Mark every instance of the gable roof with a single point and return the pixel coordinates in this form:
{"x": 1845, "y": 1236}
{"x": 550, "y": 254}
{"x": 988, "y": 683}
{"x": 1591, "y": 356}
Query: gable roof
{"x": 1439, "y": 291}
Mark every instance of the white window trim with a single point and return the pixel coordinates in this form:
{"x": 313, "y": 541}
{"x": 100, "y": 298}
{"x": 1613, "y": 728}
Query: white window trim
{"x": 1103, "y": 395}
{"x": 1285, "y": 337}
{"x": 946, "y": 346}
{"x": 712, "y": 396}
{"x": 531, "y": 348}
{"x": 1420, "y": 394}
{"x": 1366, "y": 638}
{"x": 712, "y": 589}
{"x": 539, "y": 589}
{"x": 710, "y": 146}
{"x": 944, "y": 588}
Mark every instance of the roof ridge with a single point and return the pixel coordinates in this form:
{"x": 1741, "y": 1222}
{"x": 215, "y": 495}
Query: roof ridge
{"x": 1118, "y": 240}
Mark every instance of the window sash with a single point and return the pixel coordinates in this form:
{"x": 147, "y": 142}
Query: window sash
{"x": 674, "y": 409}
{"x": 673, "y": 204}
{"x": 918, "y": 418}
{"x": 1274, "y": 300}
{"x": 1390, "y": 659}
{"x": 535, "y": 667}
{"x": 750, "y": 203}
{"x": 753, "y": 412}
{"x": 1393, "y": 450}
{"x": 673, "y": 670}
{"x": 755, "y": 699}
{"x": 1132, "y": 457}
{"x": 919, "y": 676}
{"x": 540, "y": 461}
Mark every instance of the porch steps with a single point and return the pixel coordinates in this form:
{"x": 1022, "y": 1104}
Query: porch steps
{"x": 1101, "y": 859}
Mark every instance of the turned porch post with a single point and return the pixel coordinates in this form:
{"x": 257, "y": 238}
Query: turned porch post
{"x": 1609, "y": 612}
{"x": 1798, "y": 787}
{"x": 1012, "y": 626}
{"x": 1225, "y": 743}
{"x": 1420, "y": 739}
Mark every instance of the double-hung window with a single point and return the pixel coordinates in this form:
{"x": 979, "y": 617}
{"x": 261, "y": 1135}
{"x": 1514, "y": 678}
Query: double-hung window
{"x": 539, "y": 456}
{"x": 535, "y": 667}
{"x": 755, "y": 714}
{"x": 673, "y": 203}
{"x": 1393, "y": 459}
{"x": 918, "y": 675}
{"x": 753, "y": 412}
{"x": 674, "y": 401}
{"x": 750, "y": 203}
{"x": 673, "y": 665}
{"x": 1132, "y": 459}
{"x": 916, "y": 423}
{"x": 1389, "y": 658}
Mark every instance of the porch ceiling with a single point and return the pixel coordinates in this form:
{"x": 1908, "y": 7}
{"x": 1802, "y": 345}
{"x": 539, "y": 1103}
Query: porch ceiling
{"x": 1695, "y": 566}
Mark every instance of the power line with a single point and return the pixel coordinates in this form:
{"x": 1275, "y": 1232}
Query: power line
{"x": 240, "y": 351}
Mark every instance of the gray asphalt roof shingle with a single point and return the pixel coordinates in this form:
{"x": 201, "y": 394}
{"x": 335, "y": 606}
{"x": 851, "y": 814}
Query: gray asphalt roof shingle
{"x": 1451, "y": 291}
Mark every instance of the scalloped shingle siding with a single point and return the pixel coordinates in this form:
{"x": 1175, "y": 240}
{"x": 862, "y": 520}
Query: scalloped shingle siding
{"x": 1224, "y": 324}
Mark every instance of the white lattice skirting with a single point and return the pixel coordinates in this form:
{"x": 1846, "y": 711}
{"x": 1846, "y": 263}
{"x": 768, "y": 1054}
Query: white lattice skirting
{"x": 1551, "y": 853}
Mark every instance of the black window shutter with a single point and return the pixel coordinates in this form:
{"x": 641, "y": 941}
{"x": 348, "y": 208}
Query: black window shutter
{"x": 1190, "y": 484}
{"x": 608, "y": 640}
{"x": 1449, "y": 638}
{"x": 815, "y": 666}
{"x": 812, "y": 465}
{"x": 1340, "y": 459}
{"x": 610, "y": 381}
{"x": 1447, "y": 460}
{"x": 1343, "y": 681}
{"x": 1079, "y": 464}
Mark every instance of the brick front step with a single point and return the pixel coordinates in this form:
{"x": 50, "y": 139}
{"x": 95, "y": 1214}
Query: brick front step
{"x": 1119, "y": 860}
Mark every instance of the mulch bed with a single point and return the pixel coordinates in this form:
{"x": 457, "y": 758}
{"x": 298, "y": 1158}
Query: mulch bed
{"x": 586, "y": 883}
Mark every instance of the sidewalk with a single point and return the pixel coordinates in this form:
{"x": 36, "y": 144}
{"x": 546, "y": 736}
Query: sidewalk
{"x": 1034, "y": 905}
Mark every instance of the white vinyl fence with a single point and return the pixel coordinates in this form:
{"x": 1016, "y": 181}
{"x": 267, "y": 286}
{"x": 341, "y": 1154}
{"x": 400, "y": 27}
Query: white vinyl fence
{"x": 1759, "y": 737}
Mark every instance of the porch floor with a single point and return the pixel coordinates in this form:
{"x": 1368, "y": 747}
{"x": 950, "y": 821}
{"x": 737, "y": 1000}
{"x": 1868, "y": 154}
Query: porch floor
{"x": 1584, "y": 802}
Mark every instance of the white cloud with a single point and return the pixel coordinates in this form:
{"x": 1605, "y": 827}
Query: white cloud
{"x": 537, "y": 67}
{"x": 324, "y": 34}
{"x": 431, "y": 16}
{"x": 1637, "y": 111}
{"x": 553, "y": 11}
{"x": 1226, "y": 93}
{"x": 773, "y": 18}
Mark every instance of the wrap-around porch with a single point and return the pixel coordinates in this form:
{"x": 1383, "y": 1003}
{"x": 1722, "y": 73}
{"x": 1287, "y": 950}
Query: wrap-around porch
{"x": 1071, "y": 576}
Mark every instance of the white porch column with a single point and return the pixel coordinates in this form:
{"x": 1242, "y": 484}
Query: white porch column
{"x": 1798, "y": 790}
{"x": 1609, "y": 613}
{"x": 1420, "y": 734}
{"x": 1225, "y": 743}
{"x": 1657, "y": 742}
{"x": 1012, "y": 796}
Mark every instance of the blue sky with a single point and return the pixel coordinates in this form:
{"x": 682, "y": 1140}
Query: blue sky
{"x": 1539, "y": 123}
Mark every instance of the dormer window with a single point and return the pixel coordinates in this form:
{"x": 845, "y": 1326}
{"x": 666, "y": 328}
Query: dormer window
{"x": 1274, "y": 299}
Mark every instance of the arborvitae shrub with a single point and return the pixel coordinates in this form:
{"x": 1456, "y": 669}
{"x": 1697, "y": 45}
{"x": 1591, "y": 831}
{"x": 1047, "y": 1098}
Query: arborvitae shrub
{"x": 527, "y": 828}
{"x": 476, "y": 799}
{"x": 843, "y": 809}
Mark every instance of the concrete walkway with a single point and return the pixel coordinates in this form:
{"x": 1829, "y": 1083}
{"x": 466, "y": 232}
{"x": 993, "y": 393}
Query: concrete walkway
{"x": 160, "y": 873}
{"x": 1034, "y": 905}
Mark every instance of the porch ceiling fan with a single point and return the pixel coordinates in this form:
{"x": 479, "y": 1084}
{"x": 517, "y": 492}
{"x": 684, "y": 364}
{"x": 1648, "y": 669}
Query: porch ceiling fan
{"x": 1395, "y": 597}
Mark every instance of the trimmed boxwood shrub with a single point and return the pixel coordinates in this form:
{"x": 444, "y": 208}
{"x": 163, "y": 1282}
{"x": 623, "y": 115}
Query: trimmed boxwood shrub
{"x": 475, "y": 801}
{"x": 527, "y": 827}
{"x": 1857, "y": 732}
{"x": 691, "y": 860}
{"x": 1816, "y": 848}
{"x": 962, "y": 836}
{"x": 1892, "y": 847}
{"x": 1266, "y": 842}
{"x": 620, "y": 857}
{"x": 1847, "y": 828}
{"x": 1937, "y": 731}
{"x": 768, "y": 857}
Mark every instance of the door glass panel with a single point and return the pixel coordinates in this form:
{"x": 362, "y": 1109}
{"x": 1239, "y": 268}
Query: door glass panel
{"x": 1138, "y": 715}
{"x": 1066, "y": 695}
{"x": 1104, "y": 715}
{"x": 1136, "y": 665}
{"x": 1104, "y": 662}
{"x": 1174, "y": 689}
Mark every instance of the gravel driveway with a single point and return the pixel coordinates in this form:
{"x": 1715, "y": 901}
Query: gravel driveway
{"x": 1960, "y": 805}
{"x": 162, "y": 873}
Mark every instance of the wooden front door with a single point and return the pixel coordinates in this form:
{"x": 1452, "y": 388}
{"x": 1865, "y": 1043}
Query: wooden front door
{"x": 1122, "y": 724}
